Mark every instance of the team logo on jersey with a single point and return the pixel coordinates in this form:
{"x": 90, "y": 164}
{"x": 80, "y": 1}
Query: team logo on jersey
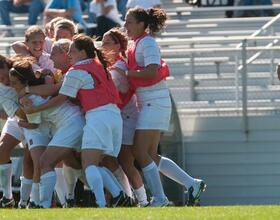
{"x": 30, "y": 142}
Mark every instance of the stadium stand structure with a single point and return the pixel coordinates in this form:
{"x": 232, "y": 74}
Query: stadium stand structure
{"x": 218, "y": 133}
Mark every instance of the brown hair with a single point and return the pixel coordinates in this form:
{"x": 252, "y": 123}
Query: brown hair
{"x": 119, "y": 38}
{"x": 67, "y": 25}
{"x": 153, "y": 18}
{"x": 19, "y": 57}
{"x": 49, "y": 27}
{"x": 83, "y": 42}
{"x": 23, "y": 71}
{"x": 33, "y": 30}
{"x": 5, "y": 62}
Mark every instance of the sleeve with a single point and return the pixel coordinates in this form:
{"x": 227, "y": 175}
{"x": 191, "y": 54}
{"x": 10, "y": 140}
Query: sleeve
{"x": 10, "y": 107}
{"x": 72, "y": 83}
{"x": 8, "y": 100}
{"x": 151, "y": 52}
{"x": 120, "y": 81}
{"x": 121, "y": 65}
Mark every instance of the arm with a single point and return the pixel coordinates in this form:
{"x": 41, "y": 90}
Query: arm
{"x": 25, "y": 124}
{"x": 51, "y": 12}
{"x": 3, "y": 115}
{"x": 20, "y": 48}
{"x": 42, "y": 90}
{"x": 149, "y": 71}
{"x": 20, "y": 113}
{"x": 53, "y": 102}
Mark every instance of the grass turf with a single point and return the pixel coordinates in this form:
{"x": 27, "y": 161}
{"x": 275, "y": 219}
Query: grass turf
{"x": 168, "y": 213}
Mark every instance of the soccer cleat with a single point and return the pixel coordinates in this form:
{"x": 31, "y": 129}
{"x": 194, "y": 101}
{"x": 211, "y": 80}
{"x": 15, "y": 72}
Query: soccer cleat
{"x": 161, "y": 203}
{"x": 122, "y": 200}
{"x": 7, "y": 203}
{"x": 32, "y": 205}
{"x": 21, "y": 206}
{"x": 70, "y": 203}
{"x": 194, "y": 192}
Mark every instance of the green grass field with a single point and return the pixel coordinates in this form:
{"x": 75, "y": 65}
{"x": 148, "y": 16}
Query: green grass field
{"x": 170, "y": 213}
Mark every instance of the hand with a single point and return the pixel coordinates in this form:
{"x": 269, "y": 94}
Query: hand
{"x": 25, "y": 101}
{"x": 25, "y": 124}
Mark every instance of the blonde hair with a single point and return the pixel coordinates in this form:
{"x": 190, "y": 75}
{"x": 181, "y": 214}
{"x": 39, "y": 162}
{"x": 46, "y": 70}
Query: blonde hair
{"x": 67, "y": 25}
{"x": 62, "y": 44}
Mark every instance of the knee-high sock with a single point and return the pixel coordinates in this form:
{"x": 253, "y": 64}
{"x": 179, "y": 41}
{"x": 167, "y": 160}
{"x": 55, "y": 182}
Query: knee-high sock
{"x": 70, "y": 180}
{"x": 25, "y": 190}
{"x": 170, "y": 169}
{"x": 153, "y": 181}
{"x": 47, "y": 184}
{"x": 6, "y": 180}
{"x": 123, "y": 180}
{"x": 35, "y": 193}
{"x": 141, "y": 196}
{"x": 95, "y": 183}
{"x": 60, "y": 186}
{"x": 110, "y": 182}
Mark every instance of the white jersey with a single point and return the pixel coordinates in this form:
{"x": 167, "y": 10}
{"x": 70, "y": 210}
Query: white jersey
{"x": 45, "y": 62}
{"x": 8, "y": 100}
{"x": 120, "y": 81}
{"x": 48, "y": 45}
{"x": 113, "y": 14}
{"x": 142, "y": 3}
{"x": 74, "y": 80}
{"x": 55, "y": 116}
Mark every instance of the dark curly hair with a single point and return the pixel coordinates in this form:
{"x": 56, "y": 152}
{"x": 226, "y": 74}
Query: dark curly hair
{"x": 154, "y": 18}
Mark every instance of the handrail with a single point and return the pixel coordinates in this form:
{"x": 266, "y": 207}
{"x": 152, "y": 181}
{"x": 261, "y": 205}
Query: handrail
{"x": 212, "y": 39}
{"x": 263, "y": 28}
{"x": 225, "y": 8}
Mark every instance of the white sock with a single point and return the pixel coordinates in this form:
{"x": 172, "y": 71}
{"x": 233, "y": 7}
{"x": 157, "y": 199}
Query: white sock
{"x": 25, "y": 190}
{"x": 110, "y": 182}
{"x": 170, "y": 169}
{"x": 47, "y": 184}
{"x": 123, "y": 180}
{"x": 95, "y": 183}
{"x": 141, "y": 196}
{"x": 35, "y": 193}
{"x": 6, "y": 180}
{"x": 70, "y": 180}
{"x": 60, "y": 186}
{"x": 153, "y": 181}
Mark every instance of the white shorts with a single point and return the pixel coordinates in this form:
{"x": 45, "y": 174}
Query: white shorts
{"x": 103, "y": 130}
{"x": 129, "y": 115}
{"x": 11, "y": 127}
{"x": 37, "y": 137}
{"x": 154, "y": 114}
{"x": 69, "y": 134}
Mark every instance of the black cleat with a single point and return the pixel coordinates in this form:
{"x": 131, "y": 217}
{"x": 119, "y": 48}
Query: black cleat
{"x": 21, "y": 206}
{"x": 70, "y": 203}
{"x": 32, "y": 205}
{"x": 194, "y": 192}
{"x": 7, "y": 203}
{"x": 122, "y": 200}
